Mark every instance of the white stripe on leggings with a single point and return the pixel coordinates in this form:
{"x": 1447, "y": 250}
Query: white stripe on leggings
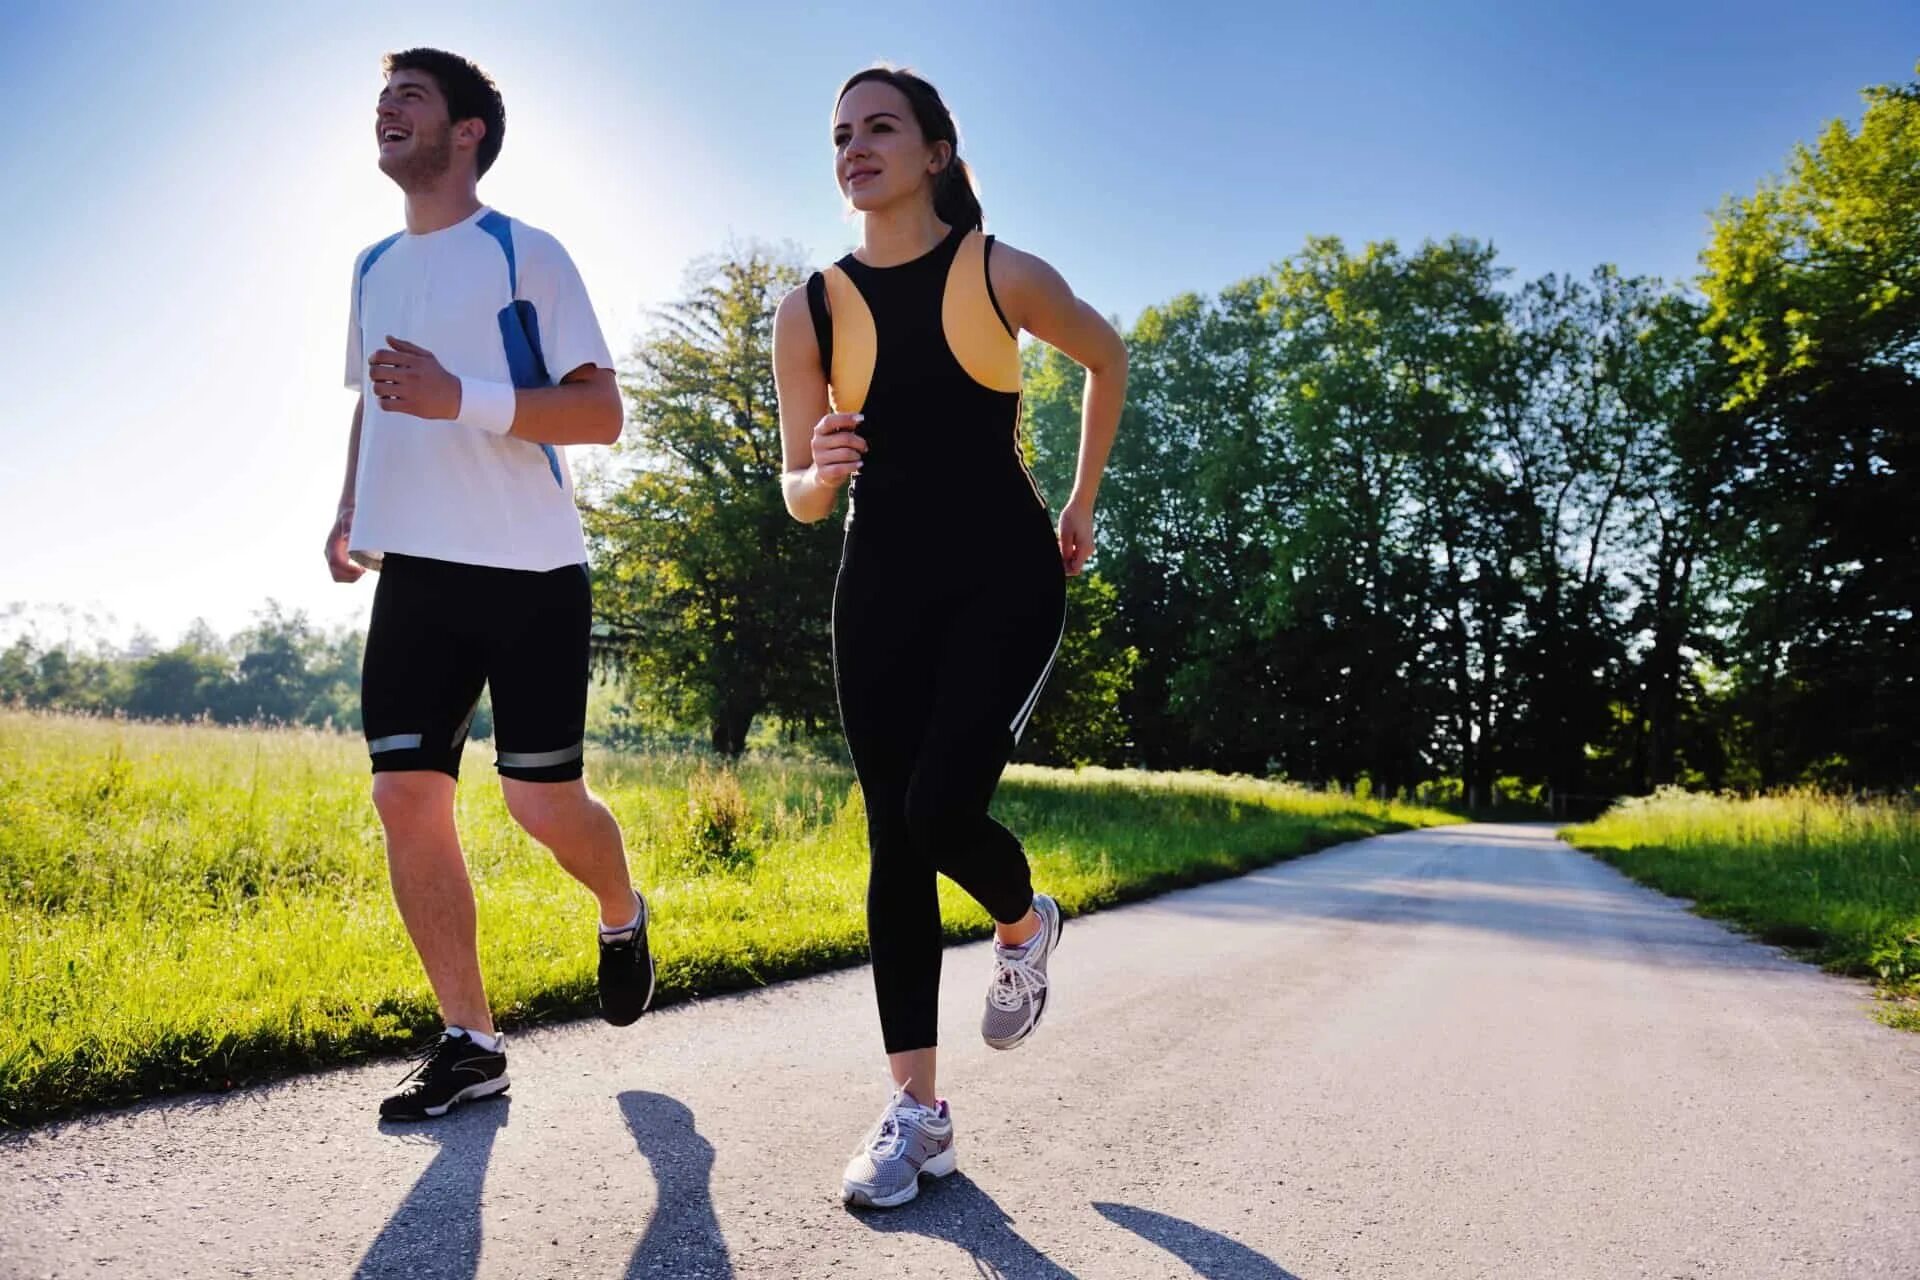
{"x": 1019, "y": 725}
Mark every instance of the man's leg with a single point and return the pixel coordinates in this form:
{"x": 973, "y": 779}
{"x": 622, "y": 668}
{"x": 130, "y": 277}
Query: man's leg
{"x": 431, "y": 888}
{"x": 584, "y": 838}
{"x": 538, "y": 673}
{"x": 421, "y": 678}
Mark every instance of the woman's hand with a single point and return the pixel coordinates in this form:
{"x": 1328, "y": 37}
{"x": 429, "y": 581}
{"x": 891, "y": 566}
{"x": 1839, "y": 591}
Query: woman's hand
{"x": 1076, "y": 535}
{"x": 837, "y": 448}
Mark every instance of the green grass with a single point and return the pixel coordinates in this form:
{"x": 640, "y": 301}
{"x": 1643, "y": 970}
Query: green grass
{"x": 191, "y": 907}
{"x": 1837, "y": 880}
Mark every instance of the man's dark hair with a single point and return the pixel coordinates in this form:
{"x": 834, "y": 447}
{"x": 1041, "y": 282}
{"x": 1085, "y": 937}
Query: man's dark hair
{"x": 469, "y": 91}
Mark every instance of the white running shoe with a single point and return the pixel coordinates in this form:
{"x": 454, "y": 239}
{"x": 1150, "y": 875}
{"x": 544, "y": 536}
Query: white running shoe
{"x": 1017, "y": 996}
{"x": 908, "y": 1141}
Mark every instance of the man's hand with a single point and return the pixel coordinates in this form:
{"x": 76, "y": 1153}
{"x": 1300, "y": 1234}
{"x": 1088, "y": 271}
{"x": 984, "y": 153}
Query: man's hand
{"x": 339, "y": 564}
{"x": 408, "y": 379}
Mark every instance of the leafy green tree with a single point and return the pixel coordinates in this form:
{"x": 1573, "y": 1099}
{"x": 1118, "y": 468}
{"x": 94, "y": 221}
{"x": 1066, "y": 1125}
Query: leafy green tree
{"x": 1179, "y": 513}
{"x": 181, "y": 683}
{"x": 274, "y": 680}
{"x": 711, "y": 600}
{"x": 1388, "y": 360}
{"x": 1813, "y": 290}
{"x": 20, "y": 674}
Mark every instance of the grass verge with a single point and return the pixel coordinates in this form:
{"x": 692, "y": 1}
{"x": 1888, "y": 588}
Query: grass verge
{"x": 1836, "y": 880}
{"x": 191, "y": 907}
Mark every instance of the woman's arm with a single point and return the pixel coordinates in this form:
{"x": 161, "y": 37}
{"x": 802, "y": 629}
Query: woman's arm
{"x": 1037, "y": 300}
{"x": 819, "y": 449}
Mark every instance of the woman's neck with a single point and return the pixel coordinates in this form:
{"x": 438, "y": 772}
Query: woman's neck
{"x": 889, "y": 237}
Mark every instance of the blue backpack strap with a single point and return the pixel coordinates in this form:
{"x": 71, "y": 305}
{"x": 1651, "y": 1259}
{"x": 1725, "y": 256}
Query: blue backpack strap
{"x": 520, "y": 327}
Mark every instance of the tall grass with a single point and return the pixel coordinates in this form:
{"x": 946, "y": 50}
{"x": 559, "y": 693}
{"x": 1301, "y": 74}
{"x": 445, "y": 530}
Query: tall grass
{"x": 1834, "y": 878}
{"x": 190, "y": 906}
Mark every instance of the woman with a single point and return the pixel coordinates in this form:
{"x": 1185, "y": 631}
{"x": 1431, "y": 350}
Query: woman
{"x": 951, "y": 598}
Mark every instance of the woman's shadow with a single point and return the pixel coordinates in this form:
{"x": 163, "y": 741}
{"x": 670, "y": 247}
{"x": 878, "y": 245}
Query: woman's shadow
{"x": 436, "y": 1230}
{"x": 956, "y": 1210}
{"x": 1211, "y": 1255}
{"x": 683, "y": 1236}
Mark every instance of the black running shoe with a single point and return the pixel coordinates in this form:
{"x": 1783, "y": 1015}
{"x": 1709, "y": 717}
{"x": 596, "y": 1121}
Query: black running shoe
{"x": 452, "y": 1069}
{"x": 626, "y": 972}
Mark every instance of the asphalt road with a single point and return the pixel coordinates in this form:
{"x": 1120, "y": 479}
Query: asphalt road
{"x": 1462, "y": 1052}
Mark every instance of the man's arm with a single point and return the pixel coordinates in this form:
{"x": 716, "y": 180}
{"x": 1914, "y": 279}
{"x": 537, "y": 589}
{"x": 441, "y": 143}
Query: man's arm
{"x": 339, "y": 565}
{"x": 583, "y": 409}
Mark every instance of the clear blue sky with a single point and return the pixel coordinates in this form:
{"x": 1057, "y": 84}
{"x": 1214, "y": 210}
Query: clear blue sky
{"x": 185, "y": 188}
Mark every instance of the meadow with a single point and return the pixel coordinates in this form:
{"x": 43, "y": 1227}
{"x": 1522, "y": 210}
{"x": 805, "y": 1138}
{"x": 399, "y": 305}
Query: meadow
{"x": 1835, "y": 879}
{"x": 195, "y": 907}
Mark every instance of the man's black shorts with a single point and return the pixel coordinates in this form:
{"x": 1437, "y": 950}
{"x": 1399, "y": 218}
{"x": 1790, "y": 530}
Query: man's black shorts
{"x": 441, "y": 631}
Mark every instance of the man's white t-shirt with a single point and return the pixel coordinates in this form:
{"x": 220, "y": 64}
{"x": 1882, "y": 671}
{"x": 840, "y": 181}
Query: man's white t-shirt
{"x": 494, "y": 299}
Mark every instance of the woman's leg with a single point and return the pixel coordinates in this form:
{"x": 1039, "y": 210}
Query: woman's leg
{"x": 883, "y": 673}
{"x": 995, "y": 656}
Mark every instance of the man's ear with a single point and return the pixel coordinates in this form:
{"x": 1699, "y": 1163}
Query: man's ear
{"x": 468, "y": 133}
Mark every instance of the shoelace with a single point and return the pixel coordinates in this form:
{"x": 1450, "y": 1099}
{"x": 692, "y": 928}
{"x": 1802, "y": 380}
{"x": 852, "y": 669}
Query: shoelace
{"x": 424, "y": 1058}
{"x": 889, "y": 1136}
{"x": 1016, "y": 979}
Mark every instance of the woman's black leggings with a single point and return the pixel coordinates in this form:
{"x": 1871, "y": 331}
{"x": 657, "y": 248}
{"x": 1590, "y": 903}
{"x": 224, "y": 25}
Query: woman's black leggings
{"x": 944, "y": 631}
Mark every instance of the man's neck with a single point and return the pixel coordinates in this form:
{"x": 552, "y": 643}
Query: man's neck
{"x": 437, "y": 207}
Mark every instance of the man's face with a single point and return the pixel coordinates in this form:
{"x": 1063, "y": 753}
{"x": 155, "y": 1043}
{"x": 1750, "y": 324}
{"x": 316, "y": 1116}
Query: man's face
{"x": 413, "y": 130}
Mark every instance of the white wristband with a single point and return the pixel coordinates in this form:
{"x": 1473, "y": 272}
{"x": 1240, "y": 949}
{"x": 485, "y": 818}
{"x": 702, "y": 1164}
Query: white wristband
{"x": 487, "y": 406}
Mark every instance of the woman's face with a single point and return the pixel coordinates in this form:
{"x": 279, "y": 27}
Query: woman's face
{"x": 879, "y": 154}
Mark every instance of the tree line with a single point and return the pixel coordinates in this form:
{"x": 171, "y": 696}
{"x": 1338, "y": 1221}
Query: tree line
{"x": 1391, "y": 515}
{"x": 1377, "y": 516}
{"x": 280, "y": 670}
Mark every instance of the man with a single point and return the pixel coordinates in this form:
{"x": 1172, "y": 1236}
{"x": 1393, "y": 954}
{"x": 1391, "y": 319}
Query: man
{"x": 477, "y": 357}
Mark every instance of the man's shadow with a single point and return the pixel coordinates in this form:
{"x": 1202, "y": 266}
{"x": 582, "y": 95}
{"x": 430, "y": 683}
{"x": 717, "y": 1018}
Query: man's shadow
{"x": 956, "y": 1210}
{"x": 436, "y": 1230}
{"x": 1211, "y": 1255}
{"x": 683, "y": 1236}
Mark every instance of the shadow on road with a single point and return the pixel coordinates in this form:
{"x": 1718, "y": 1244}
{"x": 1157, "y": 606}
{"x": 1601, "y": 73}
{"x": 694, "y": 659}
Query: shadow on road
{"x": 956, "y": 1210}
{"x": 436, "y": 1230}
{"x": 683, "y": 1236}
{"x": 1211, "y": 1255}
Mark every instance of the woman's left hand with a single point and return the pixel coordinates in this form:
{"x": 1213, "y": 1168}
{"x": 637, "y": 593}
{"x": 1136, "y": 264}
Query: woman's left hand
{"x": 1076, "y": 536}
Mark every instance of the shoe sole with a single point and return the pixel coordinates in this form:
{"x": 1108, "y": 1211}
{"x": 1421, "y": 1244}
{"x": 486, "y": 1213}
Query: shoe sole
{"x": 937, "y": 1167}
{"x": 1053, "y": 945}
{"x": 472, "y": 1093}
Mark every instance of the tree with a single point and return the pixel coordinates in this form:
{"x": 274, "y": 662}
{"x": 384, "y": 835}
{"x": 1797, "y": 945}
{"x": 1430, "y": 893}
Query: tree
{"x": 711, "y": 600}
{"x": 274, "y": 680}
{"x": 20, "y": 673}
{"x": 1179, "y": 510}
{"x": 1387, "y": 546}
{"x": 1813, "y": 291}
{"x": 181, "y": 683}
